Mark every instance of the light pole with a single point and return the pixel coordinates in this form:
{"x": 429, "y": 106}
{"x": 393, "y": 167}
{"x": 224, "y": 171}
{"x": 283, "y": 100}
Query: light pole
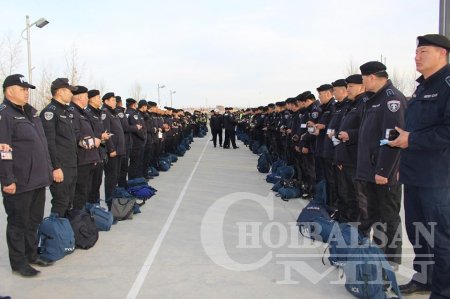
{"x": 159, "y": 87}
{"x": 39, "y": 23}
{"x": 171, "y": 93}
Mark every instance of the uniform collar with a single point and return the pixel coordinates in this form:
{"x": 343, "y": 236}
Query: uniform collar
{"x": 58, "y": 104}
{"x": 27, "y": 109}
{"x": 436, "y": 76}
{"x": 95, "y": 110}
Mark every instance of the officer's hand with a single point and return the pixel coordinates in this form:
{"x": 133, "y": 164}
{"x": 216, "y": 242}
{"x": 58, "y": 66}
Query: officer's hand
{"x": 297, "y": 149}
{"x": 105, "y": 136}
{"x": 113, "y": 154}
{"x": 138, "y": 127}
{"x": 319, "y": 127}
{"x": 305, "y": 150}
{"x": 402, "y": 140}
{"x": 289, "y": 131}
{"x": 343, "y": 136}
{"x": 10, "y": 189}
{"x": 5, "y": 147}
{"x": 58, "y": 175}
{"x": 380, "y": 180}
{"x": 97, "y": 142}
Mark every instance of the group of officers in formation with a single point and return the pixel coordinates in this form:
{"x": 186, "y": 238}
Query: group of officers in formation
{"x": 77, "y": 138}
{"x": 362, "y": 139}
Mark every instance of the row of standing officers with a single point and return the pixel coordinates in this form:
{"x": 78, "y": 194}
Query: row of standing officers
{"x": 68, "y": 146}
{"x": 361, "y": 142}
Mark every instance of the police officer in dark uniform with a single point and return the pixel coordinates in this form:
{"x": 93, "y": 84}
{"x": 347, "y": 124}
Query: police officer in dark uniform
{"x": 229, "y": 123}
{"x": 424, "y": 168}
{"x": 62, "y": 145}
{"x": 378, "y": 190}
{"x": 24, "y": 174}
{"x": 149, "y": 145}
{"x": 325, "y": 166}
{"x": 138, "y": 138}
{"x": 154, "y": 132}
{"x": 95, "y": 116}
{"x": 306, "y": 144}
{"x": 115, "y": 146}
{"x": 120, "y": 112}
{"x": 87, "y": 151}
{"x": 340, "y": 95}
{"x": 346, "y": 152}
{"x": 216, "y": 124}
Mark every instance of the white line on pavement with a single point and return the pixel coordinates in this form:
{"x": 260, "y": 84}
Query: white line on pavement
{"x": 134, "y": 291}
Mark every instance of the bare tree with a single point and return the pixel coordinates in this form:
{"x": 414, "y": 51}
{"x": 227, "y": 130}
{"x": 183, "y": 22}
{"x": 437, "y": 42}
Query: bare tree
{"x": 74, "y": 71}
{"x": 10, "y": 56}
{"x": 43, "y": 94}
{"x": 351, "y": 68}
{"x": 404, "y": 81}
{"x": 136, "y": 91}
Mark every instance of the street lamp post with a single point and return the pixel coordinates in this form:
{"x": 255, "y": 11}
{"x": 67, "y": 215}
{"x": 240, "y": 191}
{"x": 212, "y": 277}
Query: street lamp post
{"x": 171, "y": 93}
{"x": 39, "y": 23}
{"x": 159, "y": 87}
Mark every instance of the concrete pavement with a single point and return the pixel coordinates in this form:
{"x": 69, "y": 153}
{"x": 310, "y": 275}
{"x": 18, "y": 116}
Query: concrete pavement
{"x": 213, "y": 217}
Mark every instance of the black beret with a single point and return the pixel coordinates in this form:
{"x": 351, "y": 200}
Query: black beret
{"x": 339, "y": 83}
{"x": 436, "y": 40}
{"x": 303, "y": 96}
{"x": 152, "y": 104}
{"x": 107, "y": 96}
{"x": 142, "y": 103}
{"x": 373, "y": 67}
{"x": 271, "y": 105}
{"x": 310, "y": 96}
{"x": 280, "y": 104}
{"x": 324, "y": 87}
{"x": 93, "y": 92}
{"x": 265, "y": 109}
{"x": 355, "y": 79}
{"x": 118, "y": 99}
{"x": 130, "y": 101}
{"x": 80, "y": 90}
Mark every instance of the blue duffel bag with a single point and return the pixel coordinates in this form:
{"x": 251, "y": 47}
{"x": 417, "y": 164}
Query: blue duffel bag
{"x": 137, "y": 182}
{"x": 163, "y": 165}
{"x": 287, "y": 193}
{"x": 315, "y": 222}
{"x": 56, "y": 238}
{"x": 102, "y": 217}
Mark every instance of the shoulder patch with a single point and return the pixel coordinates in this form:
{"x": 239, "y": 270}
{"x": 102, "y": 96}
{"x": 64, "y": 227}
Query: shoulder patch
{"x": 121, "y": 115}
{"x": 447, "y": 80}
{"x": 315, "y": 115}
{"x": 48, "y": 115}
{"x": 103, "y": 116}
{"x": 390, "y": 92}
{"x": 135, "y": 117}
{"x": 393, "y": 105}
{"x": 70, "y": 108}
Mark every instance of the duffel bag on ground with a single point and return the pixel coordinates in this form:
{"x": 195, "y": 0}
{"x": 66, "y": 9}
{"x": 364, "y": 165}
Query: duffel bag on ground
{"x": 84, "y": 228}
{"x": 287, "y": 193}
{"x": 163, "y": 165}
{"x": 56, "y": 238}
{"x": 103, "y": 218}
{"x": 122, "y": 208}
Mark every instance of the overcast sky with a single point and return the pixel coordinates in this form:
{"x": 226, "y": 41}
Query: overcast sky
{"x": 240, "y": 53}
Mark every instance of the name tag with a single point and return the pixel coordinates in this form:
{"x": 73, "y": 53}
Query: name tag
{"x": 6, "y": 155}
